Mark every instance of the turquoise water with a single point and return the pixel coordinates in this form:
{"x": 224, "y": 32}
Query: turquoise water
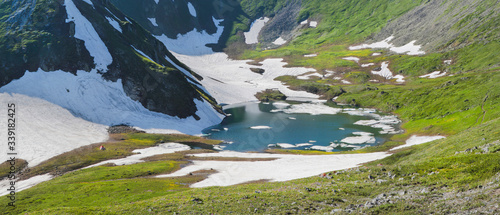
{"x": 293, "y": 128}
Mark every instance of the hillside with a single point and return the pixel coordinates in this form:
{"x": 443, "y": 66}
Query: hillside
{"x": 433, "y": 64}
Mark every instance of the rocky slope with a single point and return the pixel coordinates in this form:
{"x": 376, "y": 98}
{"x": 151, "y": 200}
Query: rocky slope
{"x": 46, "y": 34}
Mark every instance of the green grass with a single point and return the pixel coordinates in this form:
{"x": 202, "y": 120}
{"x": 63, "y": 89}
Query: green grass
{"x": 120, "y": 146}
{"x": 411, "y": 168}
{"x": 103, "y": 186}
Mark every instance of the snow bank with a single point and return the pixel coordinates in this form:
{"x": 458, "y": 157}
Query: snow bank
{"x": 24, "y": 184}
{"x": 310, "y": 55}
{"x": 153, "y": 21}
{"x": 387, "y": 74}
{"x": 355, "y": 59}
{"x": 87, "y": 33}
{"x": 284, "y": 168}
{"x": 416, "y": 140}
{"x": 345, "y": 82}
{"x": 165, "y": 148}
{"x": 409, "y": 49}
{"x": 89, "y": 96}
{"x": 192, "y": 10}
{"x": 115, "y": 24}
{"x": 286, "y": 145}
{"x": 322, "y": 148}
{"x": 143, "y": 54}
{"x": 46, "y": 129}
{"x": 88, "y": 2}
{"x": 193, "y": 42}
{"x": 280, "y": 41}
{"x": 260, "y": 127}
{"x": 360, "y": 138}
{"x": 435, "y": 74}
{"x": 308, "y": 76}
{"x": 312, "y": 108}
{"x": 251, "y": 37}
{"x": 386, "y": 123}
{"x": 280, "y": 104}
{"x": 231, "y": 81}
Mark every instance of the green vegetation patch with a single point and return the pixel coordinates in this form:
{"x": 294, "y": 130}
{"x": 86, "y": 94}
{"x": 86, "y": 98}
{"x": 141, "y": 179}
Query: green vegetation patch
{"x": 270, "y": 95}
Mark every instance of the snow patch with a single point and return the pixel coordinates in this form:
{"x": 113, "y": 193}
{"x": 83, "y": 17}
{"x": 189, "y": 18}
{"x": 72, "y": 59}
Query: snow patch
{"x": 367, "y": 65}
{"x": 192, "y": 10}
{"x": 260, "y": 127}
{"x": 115, "y": 24}
{"x": 45, "y": 129}
{"x": 435, "y": 74}
{"x": 165, "y": 148}
{"x": 231, "y": 81}
{"x": 322, "y": 148}
{"x": 416, "y": 140}
{"x": 251, "y": 37}
{"x": 386, "y": 123}
{"x": 153, "y": 21}
{"x": 345, "y": 82}
{"x": 360, "y": 138}
{"x": 24, "y": 184}
{"x": 193, "y": 42}
{"x": 310, "y": 55}
{"x": 286, "y": 145}
{"x": 312, "y": 108}
{"x": 284, "y": 168}
{"x": 409, "y": 49}
{"x": 355, "y": 59}
{"x": 143, "y": 54}
{"x": 387, "y": 74}
{"x": 308, "y": 76}
{"x": 86, "y": 32}
{"x": 89, "y": 96}
{"x": 88, "y": 2}
{"x": 280, "y": 41}
{"x": 313, "y": 24}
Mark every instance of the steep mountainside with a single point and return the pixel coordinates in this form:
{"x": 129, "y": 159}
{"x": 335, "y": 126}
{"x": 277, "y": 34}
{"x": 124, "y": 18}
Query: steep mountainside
{"x": 93, "y": 35}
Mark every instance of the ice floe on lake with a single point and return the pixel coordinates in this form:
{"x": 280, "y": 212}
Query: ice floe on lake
{"x": 355, "y": 59}
{"x": 193, "y": 42}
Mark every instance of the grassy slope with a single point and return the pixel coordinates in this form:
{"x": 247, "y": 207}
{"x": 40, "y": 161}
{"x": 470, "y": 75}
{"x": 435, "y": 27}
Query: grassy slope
{"x": 340, "y": 22}
{"x": 453, "y": 105}
{"x": 408, "y": 171}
